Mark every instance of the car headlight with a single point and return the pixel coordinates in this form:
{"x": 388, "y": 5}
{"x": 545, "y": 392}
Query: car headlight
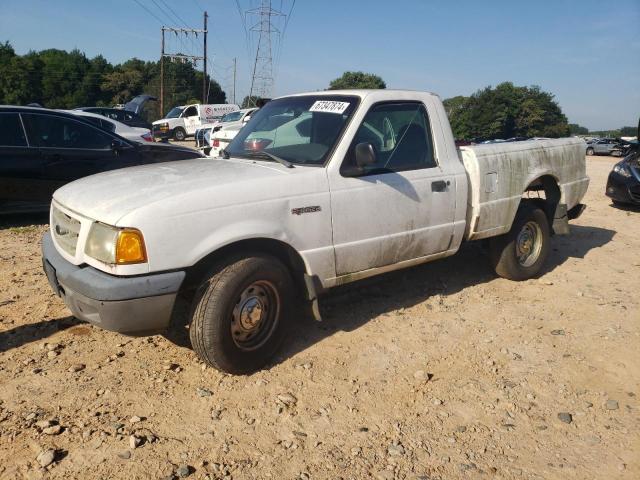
{"x": 622, "y": 169}
{"x": 115, "y": 246}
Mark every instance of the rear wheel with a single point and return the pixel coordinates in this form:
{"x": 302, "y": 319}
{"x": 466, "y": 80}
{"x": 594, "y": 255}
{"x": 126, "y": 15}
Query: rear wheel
{"x": 241, "y": 313}
{"x": 179, "y": 134}
{"x": 590, "y": 151}
{"x": 520, "y": 254}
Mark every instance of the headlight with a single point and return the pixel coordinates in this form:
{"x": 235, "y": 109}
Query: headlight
{"x": 622, "y": 169}
{"x": 115, "y": 246}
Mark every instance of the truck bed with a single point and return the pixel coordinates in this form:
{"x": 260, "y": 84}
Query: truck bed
{"x": 499, "y": 173}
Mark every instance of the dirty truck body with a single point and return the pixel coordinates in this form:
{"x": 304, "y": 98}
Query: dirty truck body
{"x": 318, "y": 190}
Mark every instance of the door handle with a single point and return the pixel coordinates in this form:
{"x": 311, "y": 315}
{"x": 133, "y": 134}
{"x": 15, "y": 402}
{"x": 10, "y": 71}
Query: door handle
{"x": 440, "y": 185}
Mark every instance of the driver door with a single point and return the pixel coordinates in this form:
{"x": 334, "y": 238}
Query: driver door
{"x": 71, "y": 149}
{"x": 400, "y": 208}
{"x": 191, "y": 119}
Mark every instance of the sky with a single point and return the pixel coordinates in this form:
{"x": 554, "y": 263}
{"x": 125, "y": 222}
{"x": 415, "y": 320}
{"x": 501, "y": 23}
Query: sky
{"x": 585, "y": 52}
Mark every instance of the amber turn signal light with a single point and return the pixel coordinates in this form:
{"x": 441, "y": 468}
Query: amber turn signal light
{"x": 130, "y": 247}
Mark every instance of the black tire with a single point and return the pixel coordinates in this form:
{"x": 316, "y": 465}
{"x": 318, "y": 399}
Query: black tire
{"x": 590, "y": 151}
{"x": 179, "y": 134}
{"x": 228, "y": 299}
{"x": 507, "y": 252}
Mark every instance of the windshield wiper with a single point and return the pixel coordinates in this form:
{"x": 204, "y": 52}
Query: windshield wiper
{"x": 262, "y": 153}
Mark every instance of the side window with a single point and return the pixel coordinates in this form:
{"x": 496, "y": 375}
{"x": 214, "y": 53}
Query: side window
{"x": 60, "y": 132}
{"x": 108, "y": 126}
{"x": 110, "y": 114}
{"x": 11, "y": 131}
{"x": 400, "y": 135}
{"x": 192, "y": 111}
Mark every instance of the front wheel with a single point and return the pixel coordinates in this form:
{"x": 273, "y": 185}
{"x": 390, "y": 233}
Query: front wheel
{"x": 179, "y": 134}
{"x": 590, "y": 151}
{"x": 241, "y": 313}
{"x": 520, "y": 254}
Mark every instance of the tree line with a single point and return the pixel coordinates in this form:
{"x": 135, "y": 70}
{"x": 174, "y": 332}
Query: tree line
{"x": 59, "y": 79}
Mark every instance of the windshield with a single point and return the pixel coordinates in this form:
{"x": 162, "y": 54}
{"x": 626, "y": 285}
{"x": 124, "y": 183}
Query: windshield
{"x": 301, "y": 130}
{"x": 231, "y": 117}
{"x": 174, "y": 112}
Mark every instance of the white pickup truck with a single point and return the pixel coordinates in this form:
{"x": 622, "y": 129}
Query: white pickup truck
{"x": 317, "y": 190}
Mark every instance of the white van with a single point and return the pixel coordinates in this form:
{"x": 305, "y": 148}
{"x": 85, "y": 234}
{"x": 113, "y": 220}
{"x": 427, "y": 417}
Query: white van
{"x": 182, "y": 121}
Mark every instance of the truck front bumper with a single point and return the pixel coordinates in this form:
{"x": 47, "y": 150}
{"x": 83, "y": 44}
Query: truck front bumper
{"x": 133, "y": 305}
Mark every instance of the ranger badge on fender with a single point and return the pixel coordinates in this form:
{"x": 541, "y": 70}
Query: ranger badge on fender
{"x": 301, "y": 210}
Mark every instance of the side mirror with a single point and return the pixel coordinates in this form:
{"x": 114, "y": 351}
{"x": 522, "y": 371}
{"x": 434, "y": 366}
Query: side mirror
{"x": 365, "y": 155}
{"x": 246, "y": 119}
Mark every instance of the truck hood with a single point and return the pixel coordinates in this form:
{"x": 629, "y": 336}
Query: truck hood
{"x": 109, "y": 196}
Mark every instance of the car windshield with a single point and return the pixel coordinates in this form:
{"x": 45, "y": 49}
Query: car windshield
{"x": 300, "y": 130}
{"x": 174, "y": 112}
{"x": 231, "y": 117}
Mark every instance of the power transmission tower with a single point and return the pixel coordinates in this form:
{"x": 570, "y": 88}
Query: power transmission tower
{"x": 262, "y": 77}
{"x": 181, "y": 57}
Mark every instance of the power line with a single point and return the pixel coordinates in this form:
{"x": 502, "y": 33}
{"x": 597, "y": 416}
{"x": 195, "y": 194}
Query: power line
{"x": 150, "y": 12}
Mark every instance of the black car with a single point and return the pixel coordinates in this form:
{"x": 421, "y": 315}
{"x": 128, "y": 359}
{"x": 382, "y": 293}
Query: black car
{"x": 123, "y": 116}
{"x": 41, "y": 150}
{"x": 623, "y": 184}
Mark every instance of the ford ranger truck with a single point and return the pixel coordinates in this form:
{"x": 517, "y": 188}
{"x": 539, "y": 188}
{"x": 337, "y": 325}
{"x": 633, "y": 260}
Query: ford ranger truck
{"x": 317, "y": 190}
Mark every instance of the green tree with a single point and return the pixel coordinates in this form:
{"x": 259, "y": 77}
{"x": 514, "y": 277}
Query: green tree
{"x": 61, "y": 79}
{"x": 350, "y": 80}
{"x": 575, "y": 129}
{"x": 628, "y": 131}
{"x": 506, "y": 111}
{"x": 458, "y": 113}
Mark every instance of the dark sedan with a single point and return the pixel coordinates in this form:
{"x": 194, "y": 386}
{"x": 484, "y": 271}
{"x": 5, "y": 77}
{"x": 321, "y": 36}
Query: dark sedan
{"x": 123, "y": 116}
{"x": 41, "y": 150}
{"x": 623, "y": 185}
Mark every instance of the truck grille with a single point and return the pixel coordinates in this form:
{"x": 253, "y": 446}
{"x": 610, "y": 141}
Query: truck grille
{"x": 65, "y": 230}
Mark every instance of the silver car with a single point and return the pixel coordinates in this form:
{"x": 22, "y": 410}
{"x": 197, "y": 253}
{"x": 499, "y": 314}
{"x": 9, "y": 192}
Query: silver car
{"x": 604, "y": 146}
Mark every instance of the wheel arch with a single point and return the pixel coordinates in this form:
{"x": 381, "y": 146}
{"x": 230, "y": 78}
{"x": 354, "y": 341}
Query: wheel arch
{"x": 279, "y": 249}
{"x": 549, "y": 186}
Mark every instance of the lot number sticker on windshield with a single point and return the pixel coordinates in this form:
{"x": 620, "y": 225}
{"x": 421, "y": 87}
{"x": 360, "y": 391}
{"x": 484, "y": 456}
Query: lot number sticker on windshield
{"x": 329, "y": 107}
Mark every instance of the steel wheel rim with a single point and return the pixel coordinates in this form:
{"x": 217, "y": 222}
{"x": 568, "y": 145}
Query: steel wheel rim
{"x": 529, "y": 244}
{"x": 255, "y": 315}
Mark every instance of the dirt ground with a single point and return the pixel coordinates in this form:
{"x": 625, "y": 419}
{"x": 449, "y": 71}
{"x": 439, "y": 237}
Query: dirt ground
{"x": 438, "y": 372}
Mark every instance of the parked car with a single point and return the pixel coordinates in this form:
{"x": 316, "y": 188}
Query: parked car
{"x": 604, "y": 146}
{"x": 623, "y": 184}
{"x": 135, "y": 134}
{"x": 123, "y": 116}
{"x": 317, "y": 190}
{"x": 183, "y": 121}
{"x": 234, "y": 121}
{"x": 41, "y": 150}
{"x": 221, "y": 139}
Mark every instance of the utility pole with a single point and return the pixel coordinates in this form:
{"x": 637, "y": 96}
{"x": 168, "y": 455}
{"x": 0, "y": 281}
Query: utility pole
{"x": 181, "y": 57}
{"x": 234, "y": 80}
{"x": 205, "y": 98}
{"x": 262, "y": 77}
{"x": 162, "y": 77}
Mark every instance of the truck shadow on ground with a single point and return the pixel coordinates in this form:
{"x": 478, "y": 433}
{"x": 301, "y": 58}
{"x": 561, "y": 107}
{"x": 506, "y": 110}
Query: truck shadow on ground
{"x": 351, "y": 306}
{"x": 33, "y": 332}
